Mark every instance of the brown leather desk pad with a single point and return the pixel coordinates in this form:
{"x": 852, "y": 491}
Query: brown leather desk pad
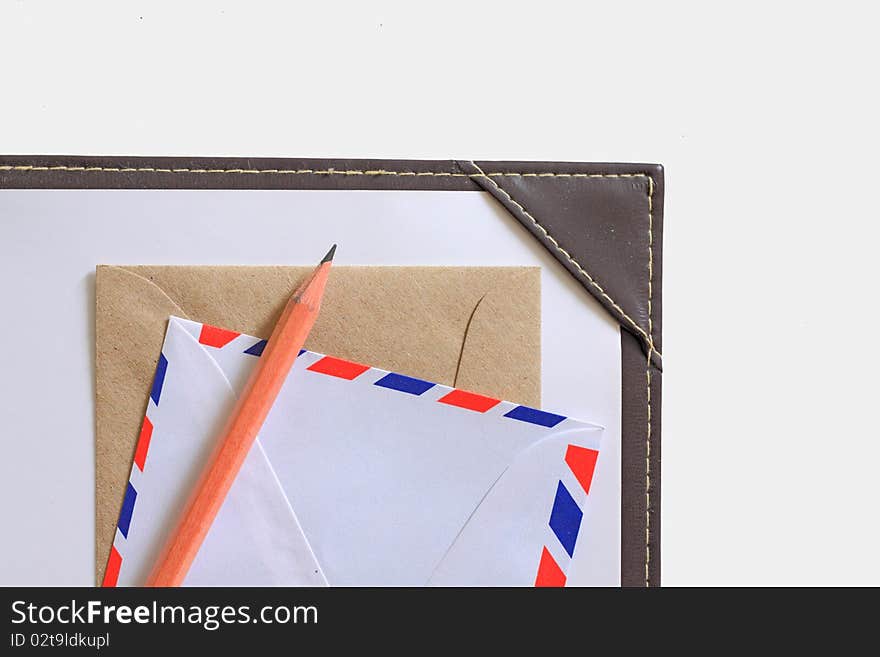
{"x": 602, "y": 222}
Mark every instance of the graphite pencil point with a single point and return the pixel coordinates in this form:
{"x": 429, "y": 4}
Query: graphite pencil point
{"x": 329, "y": 256}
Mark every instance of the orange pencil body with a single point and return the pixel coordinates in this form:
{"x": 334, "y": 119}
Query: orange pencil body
{"x": 242, "y": 428}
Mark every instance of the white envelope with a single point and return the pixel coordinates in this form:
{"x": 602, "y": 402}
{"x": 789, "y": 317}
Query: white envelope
{"x": 360, "y": 477}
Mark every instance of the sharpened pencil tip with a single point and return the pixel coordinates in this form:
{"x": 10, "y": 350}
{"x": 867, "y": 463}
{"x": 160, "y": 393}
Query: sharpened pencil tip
{"x": 329, "y": 256}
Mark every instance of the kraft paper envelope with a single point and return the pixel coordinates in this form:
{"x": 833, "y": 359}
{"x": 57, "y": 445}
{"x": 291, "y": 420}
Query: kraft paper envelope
{"x": 360, "y": 477}
{"x": 476, "y": 328}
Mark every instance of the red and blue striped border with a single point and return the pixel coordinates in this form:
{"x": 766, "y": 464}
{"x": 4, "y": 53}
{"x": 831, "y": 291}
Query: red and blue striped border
{"x": 566, "y": 516}
{"x": 123, "y": 524}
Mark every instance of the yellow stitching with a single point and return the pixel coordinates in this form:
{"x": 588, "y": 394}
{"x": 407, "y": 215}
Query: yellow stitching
{"x": 564, "y": 175}
{"x": 648, "y": 377}
{"x": 324, "y": 172}
{"x": 650, "y": 255}
{"x": 289, "y": 172}
{"x": 648, "y": 482}
{"x": 568, "y": 257}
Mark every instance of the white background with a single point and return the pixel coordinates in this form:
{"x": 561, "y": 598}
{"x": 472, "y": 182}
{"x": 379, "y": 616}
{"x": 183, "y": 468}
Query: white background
{"x": 764, "y": 114}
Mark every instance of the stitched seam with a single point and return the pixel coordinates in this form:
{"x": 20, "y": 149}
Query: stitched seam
{"x": 648, "y": 383}
{"x": 648, "y": 482}
{"x": 317, "y": 172}
{"x": 567, "y": 255}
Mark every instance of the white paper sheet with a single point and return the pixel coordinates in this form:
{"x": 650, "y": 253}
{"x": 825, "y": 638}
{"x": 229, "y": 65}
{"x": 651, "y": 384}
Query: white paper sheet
{"x": 580, "y": 350}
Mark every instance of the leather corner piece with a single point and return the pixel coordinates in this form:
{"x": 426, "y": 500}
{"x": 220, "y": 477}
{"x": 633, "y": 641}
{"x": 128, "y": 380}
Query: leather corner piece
{"x": 602, "y": 223}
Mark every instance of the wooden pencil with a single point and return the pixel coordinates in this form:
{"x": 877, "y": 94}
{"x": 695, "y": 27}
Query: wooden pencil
{"x": 241, "y": 430}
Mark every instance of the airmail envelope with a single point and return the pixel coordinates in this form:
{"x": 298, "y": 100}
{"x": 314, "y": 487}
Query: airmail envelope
{"x": 360, "y": 477}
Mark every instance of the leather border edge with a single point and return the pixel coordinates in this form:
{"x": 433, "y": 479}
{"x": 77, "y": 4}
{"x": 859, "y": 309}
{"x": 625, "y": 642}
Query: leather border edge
{"x": 641, "y": 384}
